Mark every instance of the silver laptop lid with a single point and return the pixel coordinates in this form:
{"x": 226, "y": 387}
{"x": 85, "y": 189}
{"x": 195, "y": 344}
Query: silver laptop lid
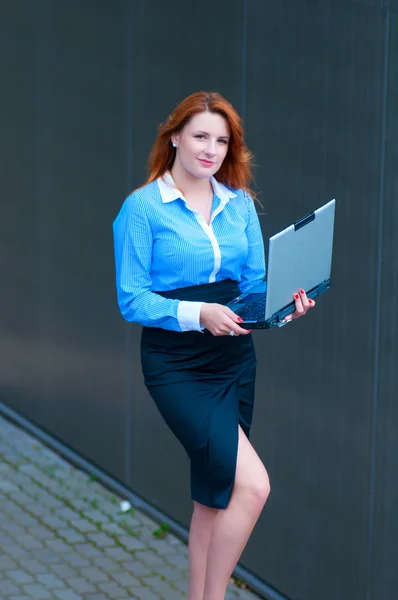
{"x": 300, "y": 256}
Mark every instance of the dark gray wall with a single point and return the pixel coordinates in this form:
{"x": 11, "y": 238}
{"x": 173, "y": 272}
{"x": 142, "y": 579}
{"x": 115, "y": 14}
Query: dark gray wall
{"x": 85, "y": 85}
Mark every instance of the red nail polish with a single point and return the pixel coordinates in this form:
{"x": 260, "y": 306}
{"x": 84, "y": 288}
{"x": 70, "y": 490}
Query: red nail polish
{"x": 302, "y": 292}
{"x": 296, "y": 296}
{"x": 240, "y": 320}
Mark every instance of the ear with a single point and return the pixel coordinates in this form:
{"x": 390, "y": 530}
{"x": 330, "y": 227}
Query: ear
{"x": 175, "y": 139}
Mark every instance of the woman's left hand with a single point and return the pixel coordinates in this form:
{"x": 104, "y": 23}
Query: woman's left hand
{"x": 302, "y": 305}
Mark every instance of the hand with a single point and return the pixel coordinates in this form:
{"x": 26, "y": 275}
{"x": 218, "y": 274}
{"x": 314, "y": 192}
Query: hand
{"x": 302, "y": 305}
{"x": 220, "y": 320}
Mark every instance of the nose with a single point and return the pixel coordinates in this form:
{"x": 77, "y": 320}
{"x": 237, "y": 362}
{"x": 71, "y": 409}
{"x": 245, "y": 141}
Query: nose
{"x": 211, "y": 147}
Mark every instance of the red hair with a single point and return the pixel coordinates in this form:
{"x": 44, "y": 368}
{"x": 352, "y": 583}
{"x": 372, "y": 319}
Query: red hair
{"x": 235, "y": 171}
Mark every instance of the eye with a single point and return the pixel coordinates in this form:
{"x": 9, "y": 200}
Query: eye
{"x": 223, "y": 141}
{"x": 200, "y": 136}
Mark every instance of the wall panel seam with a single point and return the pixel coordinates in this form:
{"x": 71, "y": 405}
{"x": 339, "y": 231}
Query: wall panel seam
{"x": 376, "y": 363}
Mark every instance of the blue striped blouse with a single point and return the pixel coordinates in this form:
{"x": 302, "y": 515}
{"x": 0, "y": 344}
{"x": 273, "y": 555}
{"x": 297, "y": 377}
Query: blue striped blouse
{"x": 162, "y": 244}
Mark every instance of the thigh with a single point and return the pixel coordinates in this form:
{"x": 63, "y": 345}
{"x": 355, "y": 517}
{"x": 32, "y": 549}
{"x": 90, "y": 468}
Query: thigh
{"x": 249, "y": 467}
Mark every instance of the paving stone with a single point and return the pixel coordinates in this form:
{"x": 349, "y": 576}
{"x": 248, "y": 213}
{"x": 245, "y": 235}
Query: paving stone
{"x": 52, "y": 501}
{"x": 67, "y": 595}
{"x": 54, "y": 522}
{"x": 83, "y": 525}
{"x": 177, "y": 560}
{"x": 57, "y": 546}
{"x": 117, "y": 554}
{"x": 131, "y": 542}
{"x": 101, "y": 539}
{"x": 13, "y": 528}
{"x": 29, "y": 542}
{"x": 19, "y": 576}
{"x": 41, "y": 532}
{"x": 137, "y": 568}
{"x": 96, "y": 516}
{"x": 170, "y": 573}
{"x": 50, "y": 581}
{"x": 20, "y": 497}
{"x": 65, "y": 513}
{"x": 5, "y": 540}
{"x": 146, "y": 594}
{"x": 182, "y": 585}
{"x": 162, "y": 547}
{"x": 150, "y": 559}
{"x": 37, "y": 591}
{"x": 158, "y": 584}
{"x": 24, "y": 519}
{"x": 105, "y": 563}
{"x": 125, "y": 579}
{"x": 93, "y": 574}
{"x": 7, "y": 563}
{"x": 87, "y": 550}
{"x": 173, "y": 595}
{"x": 112, "y": 528}
{"x": 8, "y": 487}
{"x": 17, "y": 552}
{"x": 38, "y": 510}
{"x": 71, "y": 536}
{"x": 74, "y": 559}
{"x": 64, "y": 571}
{"x": 47, "y": 556}
{"x": 8, "y": 587}
{"x": 113, "y": 590}
{"x": 34, "y": 566}
{"x": 81, "y": 585}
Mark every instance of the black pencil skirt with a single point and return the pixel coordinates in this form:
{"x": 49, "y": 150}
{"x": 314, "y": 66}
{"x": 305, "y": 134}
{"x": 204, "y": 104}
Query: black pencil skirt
{"x": 203, "y": 386}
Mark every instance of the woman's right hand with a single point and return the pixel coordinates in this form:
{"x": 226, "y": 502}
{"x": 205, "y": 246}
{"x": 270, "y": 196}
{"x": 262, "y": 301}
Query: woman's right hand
{"x": 221, "y": 320}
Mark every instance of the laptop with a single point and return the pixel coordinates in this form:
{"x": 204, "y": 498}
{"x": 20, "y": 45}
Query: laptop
{"x": 300, "y": 256}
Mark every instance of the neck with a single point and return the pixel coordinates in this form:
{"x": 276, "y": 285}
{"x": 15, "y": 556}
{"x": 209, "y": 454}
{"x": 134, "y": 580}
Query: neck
{"x": 188, "y": 183}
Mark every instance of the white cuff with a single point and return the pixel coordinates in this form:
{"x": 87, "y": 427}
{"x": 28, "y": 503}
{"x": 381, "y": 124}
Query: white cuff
{"x": 188, "y": 315}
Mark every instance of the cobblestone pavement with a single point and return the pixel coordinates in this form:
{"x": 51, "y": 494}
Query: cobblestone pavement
{"x": 63, "y": 536}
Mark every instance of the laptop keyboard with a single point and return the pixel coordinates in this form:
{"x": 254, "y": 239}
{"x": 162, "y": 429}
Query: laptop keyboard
{"x": 255, "y": 311}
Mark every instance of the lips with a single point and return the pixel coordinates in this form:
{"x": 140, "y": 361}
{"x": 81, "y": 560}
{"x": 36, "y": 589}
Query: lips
{"x": 206, "y": 163}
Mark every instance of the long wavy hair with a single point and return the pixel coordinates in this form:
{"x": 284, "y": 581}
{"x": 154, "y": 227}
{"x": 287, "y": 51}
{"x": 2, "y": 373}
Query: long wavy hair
{"x": 235, "y": 171}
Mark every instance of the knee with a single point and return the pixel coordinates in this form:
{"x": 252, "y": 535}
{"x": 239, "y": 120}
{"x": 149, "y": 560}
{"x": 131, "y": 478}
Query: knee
{"x": 258, "y": 490}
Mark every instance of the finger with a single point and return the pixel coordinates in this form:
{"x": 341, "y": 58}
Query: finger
{"x": 304, "y": 300}
{"x": 232, "y": 326}
{"x": 299, "y": 307}
{"x": 288, "y": 319}
{"x": 232, "y": 315}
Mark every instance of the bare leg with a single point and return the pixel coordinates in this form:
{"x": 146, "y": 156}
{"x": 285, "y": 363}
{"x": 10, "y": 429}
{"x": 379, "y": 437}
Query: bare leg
{"x": 233, "y": 526}
{"x": 199, "y": 538}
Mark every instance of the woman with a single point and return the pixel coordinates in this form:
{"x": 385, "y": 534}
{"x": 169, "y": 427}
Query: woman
{"x": 187, "y": 243}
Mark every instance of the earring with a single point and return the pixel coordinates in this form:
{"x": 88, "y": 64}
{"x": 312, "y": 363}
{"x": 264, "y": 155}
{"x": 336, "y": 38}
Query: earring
{"x": 174, "y": 145}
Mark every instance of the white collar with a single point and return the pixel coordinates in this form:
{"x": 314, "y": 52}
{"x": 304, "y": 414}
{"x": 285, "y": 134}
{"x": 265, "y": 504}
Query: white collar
{"x": 169, "y": 192}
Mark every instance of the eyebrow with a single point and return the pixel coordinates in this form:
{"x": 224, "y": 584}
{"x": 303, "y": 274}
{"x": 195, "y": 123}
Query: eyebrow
{"x": 206, "y": 133}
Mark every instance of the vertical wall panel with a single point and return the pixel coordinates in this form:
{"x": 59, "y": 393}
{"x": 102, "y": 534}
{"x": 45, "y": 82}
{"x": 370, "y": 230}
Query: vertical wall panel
{"x": 188, "y": 48}
{"x": 313, "y": 120}
{"x": 81, "y": 176}
{"x": 385, "y": 542}
{"x": 18, "y": 260}
{"x": 66, "y": 372}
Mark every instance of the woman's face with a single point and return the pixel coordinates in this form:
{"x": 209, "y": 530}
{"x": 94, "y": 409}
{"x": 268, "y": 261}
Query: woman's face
{"x": 202, "y": 144}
